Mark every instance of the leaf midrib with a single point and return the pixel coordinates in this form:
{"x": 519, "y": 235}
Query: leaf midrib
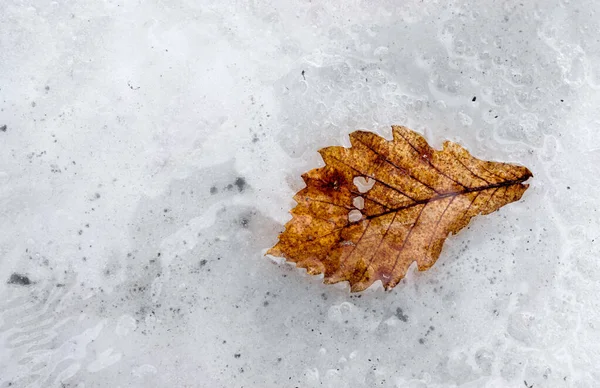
{"x": 438, "y": 197}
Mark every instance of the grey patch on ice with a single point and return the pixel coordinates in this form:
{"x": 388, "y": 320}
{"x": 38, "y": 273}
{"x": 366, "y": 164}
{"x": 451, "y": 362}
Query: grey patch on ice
{"x": 185, "y": 200}
{"x": 400, "y": 315}
{"x": 240, "y": 183}
{"x": 19, "y": 279}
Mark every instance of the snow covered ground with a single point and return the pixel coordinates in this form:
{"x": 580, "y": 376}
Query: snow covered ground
{"x": 149, "y": 152}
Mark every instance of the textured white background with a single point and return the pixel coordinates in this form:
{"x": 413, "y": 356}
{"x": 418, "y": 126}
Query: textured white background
{"x": 152, "y": 149}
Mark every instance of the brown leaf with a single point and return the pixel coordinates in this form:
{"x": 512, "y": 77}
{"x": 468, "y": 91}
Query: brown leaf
{"x": 419, "y": 196}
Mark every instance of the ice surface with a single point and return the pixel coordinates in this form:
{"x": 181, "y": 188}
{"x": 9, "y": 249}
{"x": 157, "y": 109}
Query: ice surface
{"x": 149, "y": 151}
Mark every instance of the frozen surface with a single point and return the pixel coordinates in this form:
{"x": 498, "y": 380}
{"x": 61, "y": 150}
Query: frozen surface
{"x": 149, "y": 151}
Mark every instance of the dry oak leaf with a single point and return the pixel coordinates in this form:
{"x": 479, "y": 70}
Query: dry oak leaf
{"x": 419, "y": 196}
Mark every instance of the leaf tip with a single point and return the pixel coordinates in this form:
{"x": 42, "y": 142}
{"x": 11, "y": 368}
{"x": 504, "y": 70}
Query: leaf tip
{"x": 524, "y": 173}
{"x": 274, "y": 251}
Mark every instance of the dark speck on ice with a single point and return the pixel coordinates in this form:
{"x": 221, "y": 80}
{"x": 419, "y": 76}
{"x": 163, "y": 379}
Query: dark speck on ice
{"x": 400, "y": 314}
{"x": 240, "y": 183}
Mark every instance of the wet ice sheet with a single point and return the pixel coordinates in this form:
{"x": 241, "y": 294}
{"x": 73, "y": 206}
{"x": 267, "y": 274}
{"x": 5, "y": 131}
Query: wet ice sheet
{"x": 149, "y": 153}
